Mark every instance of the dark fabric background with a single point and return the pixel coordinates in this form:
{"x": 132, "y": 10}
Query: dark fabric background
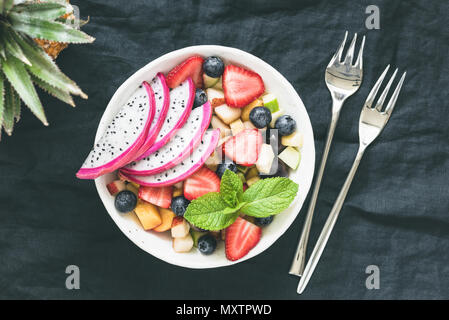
{"x": 395, "y": 215}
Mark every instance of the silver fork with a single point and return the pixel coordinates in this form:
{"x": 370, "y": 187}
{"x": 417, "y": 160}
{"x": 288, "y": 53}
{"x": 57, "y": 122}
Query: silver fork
{"x": 372, "y": 121}
{"x": 343, "y": 79}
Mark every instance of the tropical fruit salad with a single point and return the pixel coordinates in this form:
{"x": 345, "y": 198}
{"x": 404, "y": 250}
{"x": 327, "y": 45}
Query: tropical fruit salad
{"x": 204, "y": 153}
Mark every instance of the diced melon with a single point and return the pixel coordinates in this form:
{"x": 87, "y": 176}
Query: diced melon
{"x": 275, "y": 116}
{"x": 183, "y": 244}
{"x": 249, "y": 125}
{"x": 228, "y": 114}
{"x": 215, "y": 97}
{"x": 296, "y": 139}
{"x": 179, "y": 228}
{"x": 218, "y": 124}
{"x": 291, "y": 157}
{"x": 252, "y": 172}
{"x": 247, "y": 109}
{"x": 148, "y": 215}
{"x": 252, "y": 181}
{"x": 270, "y": 101}
{"x": 167, "y": 217}
{"x": 209, "y": 81}
{"x": 265, "y": 160}
{"x": 237, "y": 126}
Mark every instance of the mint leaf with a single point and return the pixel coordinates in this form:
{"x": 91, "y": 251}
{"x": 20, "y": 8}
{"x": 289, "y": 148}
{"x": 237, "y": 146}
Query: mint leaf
{"x": 211, "y": 212}
{"x": 231, "y": 188}
{"x": 268, "y": 197}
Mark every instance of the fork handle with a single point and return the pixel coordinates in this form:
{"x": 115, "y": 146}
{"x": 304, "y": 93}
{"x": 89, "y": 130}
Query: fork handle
{"x": 330, "y": 223}
{"x": 298, "y": 263}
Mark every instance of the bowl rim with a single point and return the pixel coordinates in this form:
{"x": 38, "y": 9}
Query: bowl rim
{"x": 261, "y": 247}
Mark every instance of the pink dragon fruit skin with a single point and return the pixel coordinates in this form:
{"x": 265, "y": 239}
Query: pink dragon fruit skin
{"x": 162, "y": 98}
{"x": 178, "y": 95}
{"x": 178, "y": 148}
{"x": 120, "y": 151}
{"x": 184, "y": 169}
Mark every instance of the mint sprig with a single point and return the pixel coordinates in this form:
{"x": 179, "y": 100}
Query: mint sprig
{"x": 215, "y": 211}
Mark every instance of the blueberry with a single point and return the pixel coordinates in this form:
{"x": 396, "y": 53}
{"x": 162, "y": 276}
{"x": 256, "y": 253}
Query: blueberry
{"x": 179, "y": 205}
{"x": 200, "y": 98}
{"x": 264, "y": 221}
{"x": 207, "y": 244}
{"x": 260, "y": 117}
{"x": 221, "y": 168}
{"x": 213, "y": 67}
{"x": 285, "y": 125}
{"x": 125, "y": 201}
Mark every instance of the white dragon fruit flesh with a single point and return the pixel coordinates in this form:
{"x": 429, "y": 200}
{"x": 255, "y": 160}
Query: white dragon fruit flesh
{"x": 185, "y": 168}
{"x": 178, "y": 148}
{"x": 123, "y": 137}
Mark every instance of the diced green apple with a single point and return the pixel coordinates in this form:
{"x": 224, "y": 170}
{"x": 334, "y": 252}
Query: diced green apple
{"x": 209, "y": 82}
{"x": 270, "y": 101}
{"x": 265, "y": 160}
{"x": 252, "y": 181}
{"x": 219, "y": 84}
{"x": 296, "y": 139}
{"x": 291, "y": 157}
{"x": 275, "y": 116}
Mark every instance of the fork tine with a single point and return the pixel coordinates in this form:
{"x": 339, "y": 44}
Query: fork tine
{"x": 382, "y": 97}
{"x": 339, "y": 51}
{"x": 358, "y": 63}
{"x": 394, "y": 96}
{"x": 373, "y": 92}
{"x": 350, "y": 53}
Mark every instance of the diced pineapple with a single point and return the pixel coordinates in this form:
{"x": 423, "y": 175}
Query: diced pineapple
{"x": 252, "y": 181}
{"x": 148, "y": 215}
{"x": 265, "y": 160}
{"x": 246, "y": 110}
{"x": 215, "y": 97}
{"x": 291, "y": 157}
{"x": 237, "y": 126}
{"x": 252, "y": 172}
{"x": 296, "y": 139}
{"x": 184, "y": 244}
{"x": 249, "y": 125}
{"x": 270, "y": 101}
{"x": 218, "y": 124}
{"x": 228, "y": 114}
{"x": 275, "y": 116}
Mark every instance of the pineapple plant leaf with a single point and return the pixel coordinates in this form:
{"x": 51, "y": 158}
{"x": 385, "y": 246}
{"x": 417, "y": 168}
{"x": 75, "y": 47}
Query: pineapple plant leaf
{"x": 31, "y": 35}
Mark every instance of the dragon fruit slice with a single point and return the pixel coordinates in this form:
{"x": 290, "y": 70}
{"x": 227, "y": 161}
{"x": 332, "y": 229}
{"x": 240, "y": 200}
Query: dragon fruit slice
{"x": 162, "y": 98}
{"x": 124, "y": 135}
{"x": 178, "y": 148}
{"x": 181, "y": 102}
{"x": 185, "y": 168}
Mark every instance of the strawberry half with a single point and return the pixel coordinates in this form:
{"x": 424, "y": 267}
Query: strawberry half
{"x": 200, "y": 183}
{"x": 241, "y": 86}
{"x": 192, "y": 67}
{"x": 244, "y": 148}
{"x": 241, "y": 237}
{"x": 160, "y": 197}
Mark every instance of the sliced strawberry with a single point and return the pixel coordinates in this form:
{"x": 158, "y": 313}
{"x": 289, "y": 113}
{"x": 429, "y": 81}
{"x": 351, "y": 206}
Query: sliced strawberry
{"x": 241, "y": 86}
{"x": 192, "y": 67}
{"x": 244, "y": 148}
{"x": 200, "y": 183}
{"x": 241, "y": 237}
{"x": 159, "y": 196}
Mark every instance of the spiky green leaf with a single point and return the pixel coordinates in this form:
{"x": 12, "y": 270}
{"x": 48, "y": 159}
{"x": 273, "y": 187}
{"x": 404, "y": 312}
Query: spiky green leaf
{"x": 8, "y": 118}
{"x": 2, "y": 99}
{"x": 6, "y": 5}
{"x": 18, "y": 76}
{"x": 16, "y": 107}
{"x": 48, "y": 30}
{"x": 56, "y": 92}
{"x": 44, "y": 10}
{"x": 11, "y": 45}
{"x": 43, "y": 67}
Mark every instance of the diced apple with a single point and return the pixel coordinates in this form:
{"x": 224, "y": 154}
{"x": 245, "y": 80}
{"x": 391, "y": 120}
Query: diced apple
{"x": 249, "y": 125}
{"x": 228, "y": 114}
{"x": 270, "y": 101}
{"x": 223, "y": 140}
{"x": 215, "y": 97}
{"x": 213, "y": 161}
{"x": 237, "y": 126}
{"x": 265, "y": 160}
{"x": 116, "y": 186}
{"x": 275, "y": 116}
{"x": 167, "y": 217}
{"x": 291, "y": 157}
{"x": 148, "y": 215}
{"x": 183, "y": 244}
{"x": 296, "y": 139}
{"x": 246, "y": 110}
{"x": 209, "y": 81}
{"x": 218, "y": 124}
{"x": 252, "y": 181}
{"x": 179, "y": 227}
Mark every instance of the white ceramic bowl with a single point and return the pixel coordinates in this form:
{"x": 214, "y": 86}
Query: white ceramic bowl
{"x": 160, "y": 244}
